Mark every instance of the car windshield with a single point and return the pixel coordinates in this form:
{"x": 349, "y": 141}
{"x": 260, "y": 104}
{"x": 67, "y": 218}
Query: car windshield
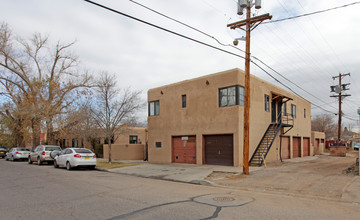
{"x": 2, "y": 148}
{"x": 23, "y": 149}
{"x": 82, "y": 151}
{"x": 52, "y": 148}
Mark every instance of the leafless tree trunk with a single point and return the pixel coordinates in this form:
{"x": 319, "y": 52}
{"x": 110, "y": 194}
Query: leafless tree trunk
{"x": 114, "y": 107}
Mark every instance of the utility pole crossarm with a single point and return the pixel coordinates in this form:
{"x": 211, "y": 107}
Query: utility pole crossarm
{"x": 252, "y": 20}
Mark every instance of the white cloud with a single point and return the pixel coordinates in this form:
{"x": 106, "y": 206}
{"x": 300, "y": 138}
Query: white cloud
{"x": 308, "y": 50}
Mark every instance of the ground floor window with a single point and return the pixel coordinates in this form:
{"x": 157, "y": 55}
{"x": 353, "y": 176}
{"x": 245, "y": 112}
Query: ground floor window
{"x": 133, "y": 139}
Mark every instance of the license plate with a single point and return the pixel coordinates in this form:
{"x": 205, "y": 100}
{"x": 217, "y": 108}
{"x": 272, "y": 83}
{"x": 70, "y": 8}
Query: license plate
{"x": 1, "y": 152}
{"x": 25, "y": 153}
{"x": 87, "y": 158}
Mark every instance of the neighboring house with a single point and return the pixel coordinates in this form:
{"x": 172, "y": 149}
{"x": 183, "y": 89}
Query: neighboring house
{"x": 201, "y": 121}
{"x": 129, "y": 145}
{"x": 318, "y": 141}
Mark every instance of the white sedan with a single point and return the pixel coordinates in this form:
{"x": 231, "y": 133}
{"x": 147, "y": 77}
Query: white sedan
{"x": 75, "y": 157}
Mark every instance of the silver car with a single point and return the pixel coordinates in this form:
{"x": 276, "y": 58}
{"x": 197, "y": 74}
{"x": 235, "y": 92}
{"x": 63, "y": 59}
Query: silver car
{"x": 75, "y": 157}
{"x": 17, "y": 153}
{"x": 42, "y": 154}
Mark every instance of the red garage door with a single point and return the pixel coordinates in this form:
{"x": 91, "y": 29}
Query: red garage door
{"x": 306, "y": 147}
{"x": 285, "y": 147}
{"x": 184, "y": 149}
{"x": 296, "y": 147}
{"x": 219, "y": 150}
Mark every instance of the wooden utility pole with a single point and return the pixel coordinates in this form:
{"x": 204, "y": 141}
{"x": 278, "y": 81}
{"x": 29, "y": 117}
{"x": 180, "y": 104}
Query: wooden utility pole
{"x": 250, "y": 24}
{"x": 340, "y": 88}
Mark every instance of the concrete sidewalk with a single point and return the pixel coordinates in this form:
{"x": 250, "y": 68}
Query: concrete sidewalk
{"x": 188, "y": 173}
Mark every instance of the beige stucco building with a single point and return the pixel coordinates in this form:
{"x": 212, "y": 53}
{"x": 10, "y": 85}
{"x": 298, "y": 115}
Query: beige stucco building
{"x": 201, "y": 121}
{"x": 130, "y": 144}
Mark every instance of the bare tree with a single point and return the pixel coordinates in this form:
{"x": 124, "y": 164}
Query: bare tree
{"x": 324, "y": 123}
{"x": 46, "y": 79}
{"x": 114, "y": 107}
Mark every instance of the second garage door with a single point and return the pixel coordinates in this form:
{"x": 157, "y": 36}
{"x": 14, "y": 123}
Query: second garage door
{"x": 306, "y": 147}
{"x": 296, "y": 147}
{"x": 219, "y": 150}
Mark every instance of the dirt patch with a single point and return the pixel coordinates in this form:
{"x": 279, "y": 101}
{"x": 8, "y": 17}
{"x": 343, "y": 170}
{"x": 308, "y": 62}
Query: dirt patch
{"x": 321, "y": 176}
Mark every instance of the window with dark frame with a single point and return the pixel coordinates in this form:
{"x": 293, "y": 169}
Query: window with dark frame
{"x": 154, "y": 108}
{"x": 229, "y": 96}
{"x": 158, "y": 144}
{"x": 183, "y": 99}
{"x": 133, "y": 139}
{"x": 304, "y": 113}
{"x": 293, "y": 110}
{"x": 267, "y": 103}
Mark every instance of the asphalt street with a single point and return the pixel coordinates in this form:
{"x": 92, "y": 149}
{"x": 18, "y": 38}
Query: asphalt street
{"x": 43, "y": 192}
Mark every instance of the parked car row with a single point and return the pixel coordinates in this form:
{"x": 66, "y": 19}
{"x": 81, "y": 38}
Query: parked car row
{"x": 69, "y": 158}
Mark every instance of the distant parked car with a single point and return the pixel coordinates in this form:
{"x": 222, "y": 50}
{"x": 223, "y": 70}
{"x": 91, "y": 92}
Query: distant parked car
{"x": 17, "y": 153}
{"x": 75, "y": 157}
{"x": 356, "y": 147}
{"x": 3, "y": 152}
{"x": 42, "y": 154}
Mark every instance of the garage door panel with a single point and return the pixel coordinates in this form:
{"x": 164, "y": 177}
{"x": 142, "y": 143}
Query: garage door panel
{"x": 306, "y": 146}
{"x": 219, "y": 150}
{"x": 296, "y": 147}
{"x": 184, "y": 152}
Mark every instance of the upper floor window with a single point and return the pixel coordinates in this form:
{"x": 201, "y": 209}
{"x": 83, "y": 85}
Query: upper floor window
{"x": 183, "y": 99}
{"x": 133, "y": 139}
{"x": 304, "y": 113}
{"x": 293, "y": 110}
{"x": 267, "y": 103}
{"x": 154, "y": 108}
{"x": 229, "y": 96}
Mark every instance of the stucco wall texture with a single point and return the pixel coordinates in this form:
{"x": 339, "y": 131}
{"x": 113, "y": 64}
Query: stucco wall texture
{"x": 203, "y": 115}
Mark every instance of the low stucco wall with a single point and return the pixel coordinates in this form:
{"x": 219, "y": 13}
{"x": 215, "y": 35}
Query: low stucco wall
{"x": 125, "y": 151}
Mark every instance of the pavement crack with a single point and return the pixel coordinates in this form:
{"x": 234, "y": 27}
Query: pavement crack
{"x": 147, "y": 208}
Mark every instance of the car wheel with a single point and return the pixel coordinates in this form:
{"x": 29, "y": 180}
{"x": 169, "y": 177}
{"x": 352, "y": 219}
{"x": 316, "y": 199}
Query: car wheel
{"x": 38, "y": 161}
{"x": 29, "y": 160}
{"x": 12, "y": 158}
{"x": 55, "y": 164}
{"x": 92, "y": 167}
{"x": 68, "y": 166}
{"x": 6, "y": 159}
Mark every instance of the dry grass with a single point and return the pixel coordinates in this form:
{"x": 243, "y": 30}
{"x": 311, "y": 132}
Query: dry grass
{"x": 107, "y": 165}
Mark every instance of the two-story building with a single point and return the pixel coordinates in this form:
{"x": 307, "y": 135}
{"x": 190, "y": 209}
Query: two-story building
{"x": 201, "y": 121}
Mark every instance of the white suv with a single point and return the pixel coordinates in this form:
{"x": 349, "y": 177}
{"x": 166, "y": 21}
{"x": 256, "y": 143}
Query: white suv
{"x": 42, "y": 154}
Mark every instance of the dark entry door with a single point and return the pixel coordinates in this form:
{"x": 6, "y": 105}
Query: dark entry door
{"x": 219, "y": 150}
{"x": 276, "y": 105}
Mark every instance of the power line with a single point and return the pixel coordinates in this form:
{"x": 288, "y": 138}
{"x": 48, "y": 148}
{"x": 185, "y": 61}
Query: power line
{"x": 186, "y": 25}
{"x": 312, "y": 13}
{"x": 161, "y": 28}
{"x": 197, "y": 41}
{"x": 202, "y": 32}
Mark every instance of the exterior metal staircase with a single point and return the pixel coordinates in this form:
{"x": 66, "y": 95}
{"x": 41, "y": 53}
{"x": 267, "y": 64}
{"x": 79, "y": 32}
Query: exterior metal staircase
{"x": 268, "y": 139}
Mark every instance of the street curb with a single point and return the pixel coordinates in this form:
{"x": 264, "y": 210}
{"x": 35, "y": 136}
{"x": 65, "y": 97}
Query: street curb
{"x": 196, "y": 182}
